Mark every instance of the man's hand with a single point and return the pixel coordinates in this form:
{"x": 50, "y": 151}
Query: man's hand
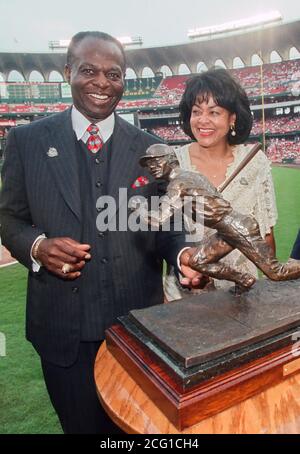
{"x": 192, "y": 278}
{"x": 53, "y": 253}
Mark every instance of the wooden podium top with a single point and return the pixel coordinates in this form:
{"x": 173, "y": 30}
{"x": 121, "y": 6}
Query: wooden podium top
{"x": 275, "y": 410}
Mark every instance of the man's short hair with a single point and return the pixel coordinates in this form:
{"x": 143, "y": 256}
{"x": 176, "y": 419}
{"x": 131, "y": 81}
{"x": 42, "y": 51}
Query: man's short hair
{"x": 92, "y": 34}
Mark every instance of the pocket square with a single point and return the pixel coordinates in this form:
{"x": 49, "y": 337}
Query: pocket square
{"x": 139, "y": 182}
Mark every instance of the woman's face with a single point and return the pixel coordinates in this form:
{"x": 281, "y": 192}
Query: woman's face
{"x": 210, "y": 123}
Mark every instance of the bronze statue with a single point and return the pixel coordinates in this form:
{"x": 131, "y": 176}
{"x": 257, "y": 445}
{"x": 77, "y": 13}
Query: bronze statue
{"x": 234, "y": 230}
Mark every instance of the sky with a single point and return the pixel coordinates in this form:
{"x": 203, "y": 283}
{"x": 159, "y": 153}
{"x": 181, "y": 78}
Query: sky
{"x": 29, "y": 25}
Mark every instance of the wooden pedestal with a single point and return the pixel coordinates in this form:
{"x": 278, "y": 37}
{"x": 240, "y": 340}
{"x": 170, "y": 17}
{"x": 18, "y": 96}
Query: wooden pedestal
{"x": 273, "y": 411}
{"x": 197, "y": 357}
{"x": 187, "y": 407}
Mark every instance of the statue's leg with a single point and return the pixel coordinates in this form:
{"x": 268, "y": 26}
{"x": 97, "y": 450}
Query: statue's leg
{"x": 212, "y": 249}
{"x": 205, "y": 260}
{"x": 242, "y": 232}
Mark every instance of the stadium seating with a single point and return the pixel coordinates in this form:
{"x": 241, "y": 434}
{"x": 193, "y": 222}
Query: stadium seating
{"x": 170, "y": 133}
{"x": 152, "y": 92}
{"x": 277, "y": 125}
{"x": 150, "y": 95}
{"x": 284, "y": 151}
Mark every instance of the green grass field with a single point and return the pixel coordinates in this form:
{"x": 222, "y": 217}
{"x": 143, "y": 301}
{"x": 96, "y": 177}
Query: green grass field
{"x": 287, "y": 187}
{"x": 24, "y": 403}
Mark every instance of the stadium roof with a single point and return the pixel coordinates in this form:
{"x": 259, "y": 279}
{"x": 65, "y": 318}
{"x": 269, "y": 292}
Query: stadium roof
{"x": 280, "y": 38}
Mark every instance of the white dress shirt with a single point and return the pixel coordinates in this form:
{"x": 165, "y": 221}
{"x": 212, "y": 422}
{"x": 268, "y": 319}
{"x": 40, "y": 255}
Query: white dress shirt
{"x": 80, "y": 124}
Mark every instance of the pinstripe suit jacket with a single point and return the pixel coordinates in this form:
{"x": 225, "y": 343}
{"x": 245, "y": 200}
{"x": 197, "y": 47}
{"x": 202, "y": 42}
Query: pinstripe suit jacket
{"x": 40, "y": 194}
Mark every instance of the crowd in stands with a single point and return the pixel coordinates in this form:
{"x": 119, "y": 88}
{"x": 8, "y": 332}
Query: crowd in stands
{"x": 172, "y": 133}
{"x": 32, "y": 108}
{"x": 284, "y": 151}
{"x": 145, "y": 103}
{"x": 172, "y": 88}
{"x": 277, "y": 77}
{"x": 277, "y": 125}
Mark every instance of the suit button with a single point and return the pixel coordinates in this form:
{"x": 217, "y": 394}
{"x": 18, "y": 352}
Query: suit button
{"x": 98, "y": 184}
{"x": 104, "y": 261}
{"x": 101, "y": 235}
{"x": 75, "y": 289}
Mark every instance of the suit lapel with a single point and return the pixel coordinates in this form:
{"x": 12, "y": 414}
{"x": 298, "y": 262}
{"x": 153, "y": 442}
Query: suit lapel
{"x": 123, "y": 163}
{"x": 63, "y": 163}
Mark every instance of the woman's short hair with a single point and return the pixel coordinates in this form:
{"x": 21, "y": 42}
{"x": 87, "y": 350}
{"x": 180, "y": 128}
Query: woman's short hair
{"x": 226, "y": 92}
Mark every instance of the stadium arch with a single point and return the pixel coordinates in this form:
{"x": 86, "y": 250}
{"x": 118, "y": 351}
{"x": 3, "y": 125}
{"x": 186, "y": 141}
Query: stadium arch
{"x": 237, "y": 63}
{"x": 130, "y": 74}
{"x": 281, "y": 37}
{"x": 256, "y": 60}
{"x": 183, "y": 69}
{"x": 55, "y": 76}
{"x": 275, "y": 57}
{"x": 220, "y": 64}
{"x": 166, "y": 71}
{"x": 294, "y": 53}
{"x": 201, "y": 66}
{"x": 36, "y": 76}
{"x": 147, "y": 72}
{"x": 15, "y": 76}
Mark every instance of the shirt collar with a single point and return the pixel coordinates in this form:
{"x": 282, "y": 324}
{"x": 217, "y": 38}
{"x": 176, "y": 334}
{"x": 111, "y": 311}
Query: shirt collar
{"x": 80, "y": 124}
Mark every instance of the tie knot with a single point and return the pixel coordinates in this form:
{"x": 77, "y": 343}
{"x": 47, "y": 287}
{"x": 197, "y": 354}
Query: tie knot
{"x": 93, "y": 129}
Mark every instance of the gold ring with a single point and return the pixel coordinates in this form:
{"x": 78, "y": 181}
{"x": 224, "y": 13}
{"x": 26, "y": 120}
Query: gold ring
{"x": 66, "y": 268}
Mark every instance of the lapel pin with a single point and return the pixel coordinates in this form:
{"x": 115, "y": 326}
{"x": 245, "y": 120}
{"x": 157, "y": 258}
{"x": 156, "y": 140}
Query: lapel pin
{"x": 52, "y": 152}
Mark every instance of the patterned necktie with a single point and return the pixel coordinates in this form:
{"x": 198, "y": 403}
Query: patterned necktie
{"x": 94, "y": 142}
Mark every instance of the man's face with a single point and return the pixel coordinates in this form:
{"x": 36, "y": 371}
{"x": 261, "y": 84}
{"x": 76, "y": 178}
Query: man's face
{"x": 96, "y": 76}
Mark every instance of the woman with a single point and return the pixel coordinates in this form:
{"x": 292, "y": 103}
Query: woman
{"x": 215, "y": 113}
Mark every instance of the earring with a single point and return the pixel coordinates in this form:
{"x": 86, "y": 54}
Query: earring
{"x": 232, "y": 130}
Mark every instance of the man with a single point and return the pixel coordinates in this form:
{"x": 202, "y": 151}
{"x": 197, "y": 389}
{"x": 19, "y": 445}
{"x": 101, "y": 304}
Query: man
{"x": 234, "y": 230}
{"x": 295, "y": 254}
{"x": 81, "y": 279}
